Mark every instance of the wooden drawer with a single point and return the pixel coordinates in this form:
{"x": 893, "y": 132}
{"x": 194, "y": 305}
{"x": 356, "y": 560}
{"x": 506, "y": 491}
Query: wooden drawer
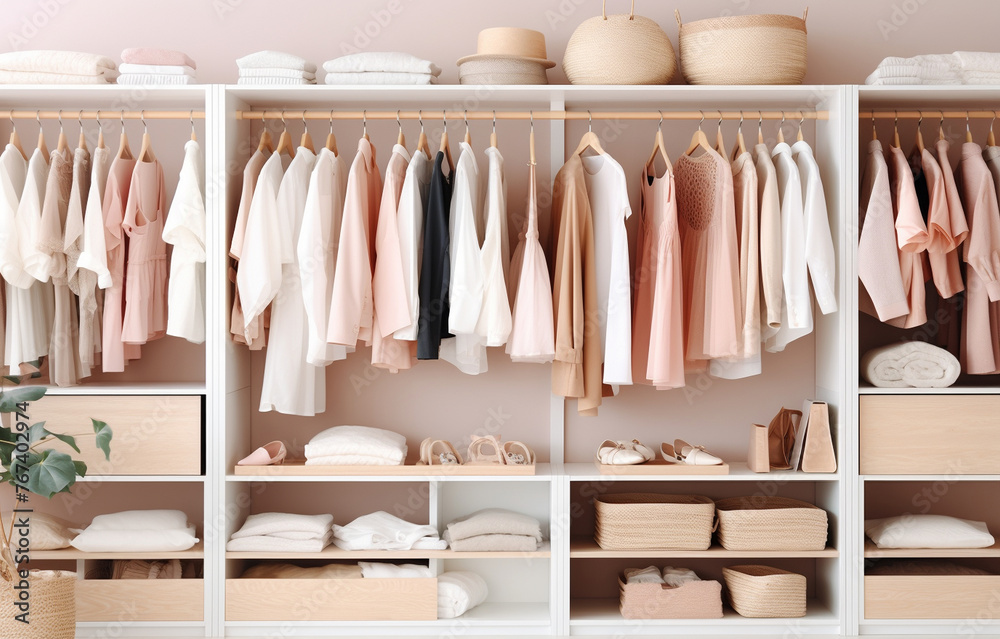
{"x": 127, "y": 600}
{"x": 930, "y": 597}
{"x": 153, "y": 435}
{"x": 331, "y": 599}
{"x": 929, "y": 434}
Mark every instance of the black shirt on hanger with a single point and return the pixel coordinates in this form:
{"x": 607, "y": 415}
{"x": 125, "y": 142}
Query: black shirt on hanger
{"x": 435, "y": 265}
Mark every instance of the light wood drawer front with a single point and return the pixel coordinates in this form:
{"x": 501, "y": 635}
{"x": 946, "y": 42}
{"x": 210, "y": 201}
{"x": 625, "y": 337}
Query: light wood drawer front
{"x": 932, "y": 597}
{"x": 331, "y": 599}
{"x": 930, "y": 435}
{"x": 152, "y": 435}
{"x": 126, "y": 600}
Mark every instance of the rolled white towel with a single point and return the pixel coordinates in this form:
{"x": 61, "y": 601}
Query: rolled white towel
{"x": 915, "y": 364}
{"x": 459, "y": 592}
{"x": 391, "y": 61}
{"x": 63, "y": 62}
{"x": 378, "y": 570}
{"x": 380, "y": 77}
{"x": 647, "y": 575}
{"x": 279, "y": 59}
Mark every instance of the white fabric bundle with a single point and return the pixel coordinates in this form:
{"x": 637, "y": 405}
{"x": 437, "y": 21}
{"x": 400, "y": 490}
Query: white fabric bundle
{"x": 137, "y": 531}
{"x": 153, "y": 78}
{"x": 928, "y": 531}
{"x": 459, "y": 592}
{"x": 378, "y": 570}
{"x": 276, "y": 73}
{"x": 494, "y": 521}
{"x": 675, "y": 577}
{"x": 41, "y": 77}
{"x": 382, "y": 531}
{"x": 356, "y": 445}
{"x": 380, "y": 77}
{"x": 275, "y": 60}
{"x": 386, "y": 61}
{"x": 647, "y": 575}
{"x": 156, "y": 69}
{"x": 916, "y": 364}
{"x": 57, "y": 62}
{"x": 960, "y": 67}
{"x": 985, "y": 61}
{"x": 286, "y": 525}
{"x": 273, "y": 543}
{"x": 271, "y": 79}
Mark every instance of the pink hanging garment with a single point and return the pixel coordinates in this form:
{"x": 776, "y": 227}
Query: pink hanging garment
{"x": 946, "y": 225}
{"x": 113, "y": 352}
{"x": 911, "y": 238}
{"x": 146, "y": 282}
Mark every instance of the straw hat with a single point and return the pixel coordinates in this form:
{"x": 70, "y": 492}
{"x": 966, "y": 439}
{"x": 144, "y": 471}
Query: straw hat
{"x": 510, "y": 43}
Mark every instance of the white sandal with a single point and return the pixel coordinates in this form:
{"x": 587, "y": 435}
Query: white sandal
{"x": 517, "y": 454}
{"x": 648, "y": 454}
{"x": 485, "y": 450}
{"x": 694, "y": 455}
{"x": 615, "y": 453}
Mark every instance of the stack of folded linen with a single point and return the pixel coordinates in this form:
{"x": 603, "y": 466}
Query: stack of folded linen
{"x": 156, "y": 66}
{"x": 921, "y": 69}
{"x": 138, "y": 531}
{"x": 282, "y": 532}
{"x": 380, "y": 68}
{"x": 979, "y": 67}
{"x": 494, "y": 530}
{"x": 459, "y": 591}
{"x": 275, "y": 67}
{"x": 56, "y": 67}
{"x": 382, "y": 531}
{"x": 356, "y": 446}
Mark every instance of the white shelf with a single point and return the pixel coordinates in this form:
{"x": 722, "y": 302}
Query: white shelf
{"x": 145, "y": 388}
{"x": 543, "y": 473}
{"x": 128, "y": 479}
{"x": 588, "y": 549}
{"x": 332, "y": 552}
{"x": 738, "y": 471}
{"x": 930, "y": 478}
{"x": 196, "y": 552}
{"x": 489, "y": 615}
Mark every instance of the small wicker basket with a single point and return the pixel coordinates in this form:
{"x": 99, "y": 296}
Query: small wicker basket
{"x": 632, "y": 521}
{"x": 770, "y": 523}
{"x": 763, "y": 591}
{"x": 690, "y": 600}
{"x": 53, "y": 607}
{"x": 755, "y": 49}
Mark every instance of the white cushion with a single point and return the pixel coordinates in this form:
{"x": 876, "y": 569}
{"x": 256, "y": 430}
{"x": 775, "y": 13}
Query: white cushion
{"x": 928, "y": 531}
{"x": 141, "y": 520}
{"x": 156, "y": 540}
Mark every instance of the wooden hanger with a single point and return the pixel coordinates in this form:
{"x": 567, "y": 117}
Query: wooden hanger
{"x": 968, "y": 132}
{"x": 740, "y": 147}
{"x": 41, "y": 138}
{"x": 468, "y": 136}
{"x": 920, "y": 135}
{"x": 802, "y": 118}
{"x": 991, "y": 139}
{"x": 531, "y": 138}
{"x": 444, "y": 142}
{"x": 364, "y": 125}
{"x": 15, "y": 139}
{"x": 698, "y": 140}
{"x": 941, "y": 127}
{"x": 284, "y": 140}
{"x": 124, "y": 150}
{"x": 781, "y": 134}
{"x": 331, "y": 139}
{"x": 895, "y": 132}
{"x": 400, "y": 138}
{"x": 720, "y": 144}
{"x": 100, "y": 131}
{"x": 146, "y": 149}
{"x": 422, "y": 140}
{"x": 874, "y": 130}
{"x": 306, "y": 140}
{"x": 266, "y": 143}
{"x": 493, "y": 134}
{"x": 658, "y": 146}
{"x": 194, "y": 134}
{"x": 589, "y": 139}
{"x": 82, "y": 142}
{"x": 62, "y": 144}
{"x": 760, "y": 128}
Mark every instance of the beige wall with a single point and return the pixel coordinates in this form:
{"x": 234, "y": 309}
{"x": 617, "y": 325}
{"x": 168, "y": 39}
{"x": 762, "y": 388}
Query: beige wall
{"x": 847, "y": 38}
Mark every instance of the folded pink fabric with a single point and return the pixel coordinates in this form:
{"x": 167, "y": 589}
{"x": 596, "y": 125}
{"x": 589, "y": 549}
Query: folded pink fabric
{"x": 144, "y": 55}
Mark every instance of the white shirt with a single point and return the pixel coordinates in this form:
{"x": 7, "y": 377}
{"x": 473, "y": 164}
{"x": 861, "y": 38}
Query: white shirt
{"x": 609, "y": 204}
{"x": 184, "y": 228}
{"x": 769, "y": 204}
{"x": 13, "y": 171}
{"x": 494, "y": 323}
{"x": 819, "y": 240}
{"x": 317, "y": 251}
{"x": 94, "y": 251}
{"x": 259, "y": 275}
{"x": 29, "y": 218}
{"x": 410, "y": 224}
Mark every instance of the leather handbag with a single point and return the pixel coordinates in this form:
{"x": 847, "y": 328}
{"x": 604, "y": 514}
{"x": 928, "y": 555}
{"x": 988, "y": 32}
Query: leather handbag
{"x": 781, "y": 438}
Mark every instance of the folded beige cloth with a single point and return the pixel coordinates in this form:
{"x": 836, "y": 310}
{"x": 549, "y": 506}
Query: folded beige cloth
{"x": 493, "y": 521}
{"x": 496, "y": 543}
{"x": 289, "y": 571}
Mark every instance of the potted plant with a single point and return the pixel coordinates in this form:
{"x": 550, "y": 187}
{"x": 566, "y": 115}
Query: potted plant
{"x": 35, "y": 604}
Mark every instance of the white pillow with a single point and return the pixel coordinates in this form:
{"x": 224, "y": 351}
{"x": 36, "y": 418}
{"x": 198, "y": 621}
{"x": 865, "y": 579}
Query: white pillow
{"x": 45, "y": 532}
{"x": 141, "y": 520}
{"x": 157, "y": 540}
{"x": 928, "y": 531}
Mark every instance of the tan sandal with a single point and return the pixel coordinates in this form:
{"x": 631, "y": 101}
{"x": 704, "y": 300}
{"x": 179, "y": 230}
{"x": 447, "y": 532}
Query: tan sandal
{"x": 485, "y": 450}
{"x": 517, "y": 454}
{"x": 438, "y": 452}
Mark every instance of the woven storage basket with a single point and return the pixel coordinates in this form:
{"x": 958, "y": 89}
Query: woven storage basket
{"x": 633, "y": 521}
{"x": 619, "y": 49}
{"x": 770, "y": 523}
{"x": 756, "y": 49}
{"x": 690, "y": 600}
{"x": 51, "y": 607}
{"x": 762, "y": 591}
{"x": 494, "y": 71}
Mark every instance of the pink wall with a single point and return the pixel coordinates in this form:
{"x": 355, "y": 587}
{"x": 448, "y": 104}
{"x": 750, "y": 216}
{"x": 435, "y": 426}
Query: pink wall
{"x": 846, "y": 39}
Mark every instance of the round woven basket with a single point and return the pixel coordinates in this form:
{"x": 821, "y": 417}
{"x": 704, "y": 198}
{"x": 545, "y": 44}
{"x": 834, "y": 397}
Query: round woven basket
{"x": 770, "y": 523}
{"x": 619, "y": 49}
{"x": 632, "y": 521}
{"x": 762, "y": 591}
{"x": 498, "y": 70}
{"x": 756, "y": 49}
{"x": 51, "y": 607}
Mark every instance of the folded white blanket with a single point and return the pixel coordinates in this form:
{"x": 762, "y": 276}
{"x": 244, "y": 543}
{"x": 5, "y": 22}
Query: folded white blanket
{"x": 278, "y": 59}
{"x": 272, "y": 72}
{"x": 62, "y": 62}
{"x": 378, "y": 77}
{"x": 268, "y": 543}
{"x": 153, "y": 78}
{"x": 40, "y": 77}
{"x": 382, "y": 531}
{"x": 390, "y": 61}
{"x": 315, "y": 526}
{"x": 493, "y": 521}
{"x": 677, "y": 576}
{"x": 979, "y": 60}
{"x": 273, "y": 80}
{"x": 378, "y": 570}
{"x": 494, "y": 543}
{"x": 158, "y": 69}
{"x": 915, "y": 364}
{"x": 459, "y": 592}
{"x": 383, "y": 447}
{"x": 647, "y": 575}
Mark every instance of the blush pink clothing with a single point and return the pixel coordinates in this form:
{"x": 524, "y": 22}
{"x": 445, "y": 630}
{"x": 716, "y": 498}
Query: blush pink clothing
{"x": 946, "y": 225}
{"x": 980, "y": 354}
{"x": 146, "y": 282}
{"x": 911, "y": 239}
{"x": 709, "y": 258}
{"x": 881, "y": 293}
{"x": 258, "y": 336}
{"x": 114, "y": 353}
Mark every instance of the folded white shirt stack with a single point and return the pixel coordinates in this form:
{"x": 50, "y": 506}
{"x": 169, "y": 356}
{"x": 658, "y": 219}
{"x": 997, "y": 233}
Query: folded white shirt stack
{"x": 282, "y": 532}
{"x": 56, "y": 67}
{"x": 494, "y": 530}
{"x": 380, "y": 68}
{"x": 960, "y": 67}
{"x": 275, "y": 67}
{"x": 382, "y": 531}
{"x": 156, "y": 66}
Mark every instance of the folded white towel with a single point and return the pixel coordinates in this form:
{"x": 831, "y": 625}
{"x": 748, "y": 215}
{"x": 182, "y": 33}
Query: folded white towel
{"x": 271, "y": 523}
{"x": 915, "y": 364}
{"x": 459, "y": 592}
{"x": 378, "y": 570}
{"x": 272, "y": 72}
{"x": 378, "y": 77}
{"x": 363, "y": 441}
{"x": 273, "y": 80}
{"x": 277, "y": 59}
{"x": 40, "y": 77}
{"x": 157, "y": 69}
{"x": 494, "y": 521}
{"x": 978, "y": 60}
{"x": 63, "y": 62}
{"x": 647, "y": 575}
{"x": 992, "y": 81}
{"x": 981, "y": 75}
{"x": 494, "y": 543}
{"x": 390, "y": 61}
{"x": 153, "y": 78}
{"x": 678, "y": 576}
{"x": 267, "y": 543}
{"x": 382, "y": 531}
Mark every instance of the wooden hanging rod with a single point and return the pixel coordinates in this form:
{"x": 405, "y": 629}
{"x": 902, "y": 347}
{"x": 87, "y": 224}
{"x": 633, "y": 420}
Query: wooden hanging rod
{"x": 928, "y": 114}
{"x": 435, "y": 114}
{"x": 105, "y": 114}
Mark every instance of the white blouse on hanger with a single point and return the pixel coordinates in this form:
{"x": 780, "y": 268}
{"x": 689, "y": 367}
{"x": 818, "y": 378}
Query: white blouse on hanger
{"x": 769, "y": 204}
{"x": 410, "y": 223}
{"x": 90, "y": 269}
{"x": 820, "y": 255}
{"x": 259, "y": 275}
{"x": 29, "y": 218}
{"x": 495, "y": 319}
{"x": 184, "y": 228}
{"x": 13, "y": 172}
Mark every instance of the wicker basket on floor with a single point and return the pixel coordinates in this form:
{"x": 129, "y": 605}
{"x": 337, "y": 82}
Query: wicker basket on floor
{"x": 770, "y": 523}
{"x": 632, "y": 521}
{"x": 51, "y": 607}
{"x": 765, "y": 592}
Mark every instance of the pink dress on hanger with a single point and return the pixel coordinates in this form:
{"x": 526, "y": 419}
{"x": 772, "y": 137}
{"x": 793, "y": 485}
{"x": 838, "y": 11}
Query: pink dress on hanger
{"x": 114, "y": 353}
{"x": 911, "y": 238}
{"x": 146, "y": 285}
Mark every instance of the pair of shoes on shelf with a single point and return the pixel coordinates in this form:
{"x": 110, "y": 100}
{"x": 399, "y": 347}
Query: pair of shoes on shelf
{"x": 486, "y": 450}
{"x": 684, "y": 453}
{"x": 270, "y": 454}
{"x": 438, "y": 452}
{"x": 619, "y": 453}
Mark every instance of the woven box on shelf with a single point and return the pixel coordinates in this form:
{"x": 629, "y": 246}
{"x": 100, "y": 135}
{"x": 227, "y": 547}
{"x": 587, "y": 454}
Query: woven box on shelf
{"x": 770, "y": 523}
{"x": 763, "y": 591}
{"x": 754, "y": 49}
{"x": 52, "y": 607}
{"x": 690, "y": 600}
{"x": 629, "y": 521}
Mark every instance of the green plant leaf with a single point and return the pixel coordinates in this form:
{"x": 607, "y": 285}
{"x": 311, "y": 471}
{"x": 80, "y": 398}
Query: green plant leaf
{"x": 6, "y": 477}
{"x": 38, "y": 432}
{"x": 8, "y": 440}
{"x": 15, "y": 379}
{"x": 53, "y": 473}
{"x": 81, "y": 468}
{"x": 103, "y": 432}
{"x": 9, "y": 399}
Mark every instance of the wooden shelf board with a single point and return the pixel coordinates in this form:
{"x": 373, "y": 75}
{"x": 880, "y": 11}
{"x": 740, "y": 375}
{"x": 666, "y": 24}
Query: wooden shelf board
{"x": 332, "y": 552}
{"x": 873, "y": 551}
{"x": 587, "y": 548}
{"x": 298, "y": 469}
{"x": 661, "y": 467}
{"x": 141, "y": 388}
{"x": 738, "y": 471}
{"x": 101, "y": 479}
{"x": 606, "y": 612}
{"x": 197, "y": 552}
{"x": 489, "y": 614}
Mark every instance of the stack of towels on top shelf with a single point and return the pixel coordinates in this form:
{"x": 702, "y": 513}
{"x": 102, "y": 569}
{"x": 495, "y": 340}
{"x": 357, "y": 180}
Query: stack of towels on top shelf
{"x": 275, "y": 67}
{"x": 494, "y": 530}
{"x": 156, "y": 66}
{"x": 356, "y": 445}
{"x": 380, "y": 68}
{"x": 960, "y": 67}
{"x": 382, "y": 531}
{"x": 282, "y": 532}
{"x": 56, "y": 67}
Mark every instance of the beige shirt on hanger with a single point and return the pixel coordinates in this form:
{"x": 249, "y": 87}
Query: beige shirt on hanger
{"x": 769, "y": 206}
